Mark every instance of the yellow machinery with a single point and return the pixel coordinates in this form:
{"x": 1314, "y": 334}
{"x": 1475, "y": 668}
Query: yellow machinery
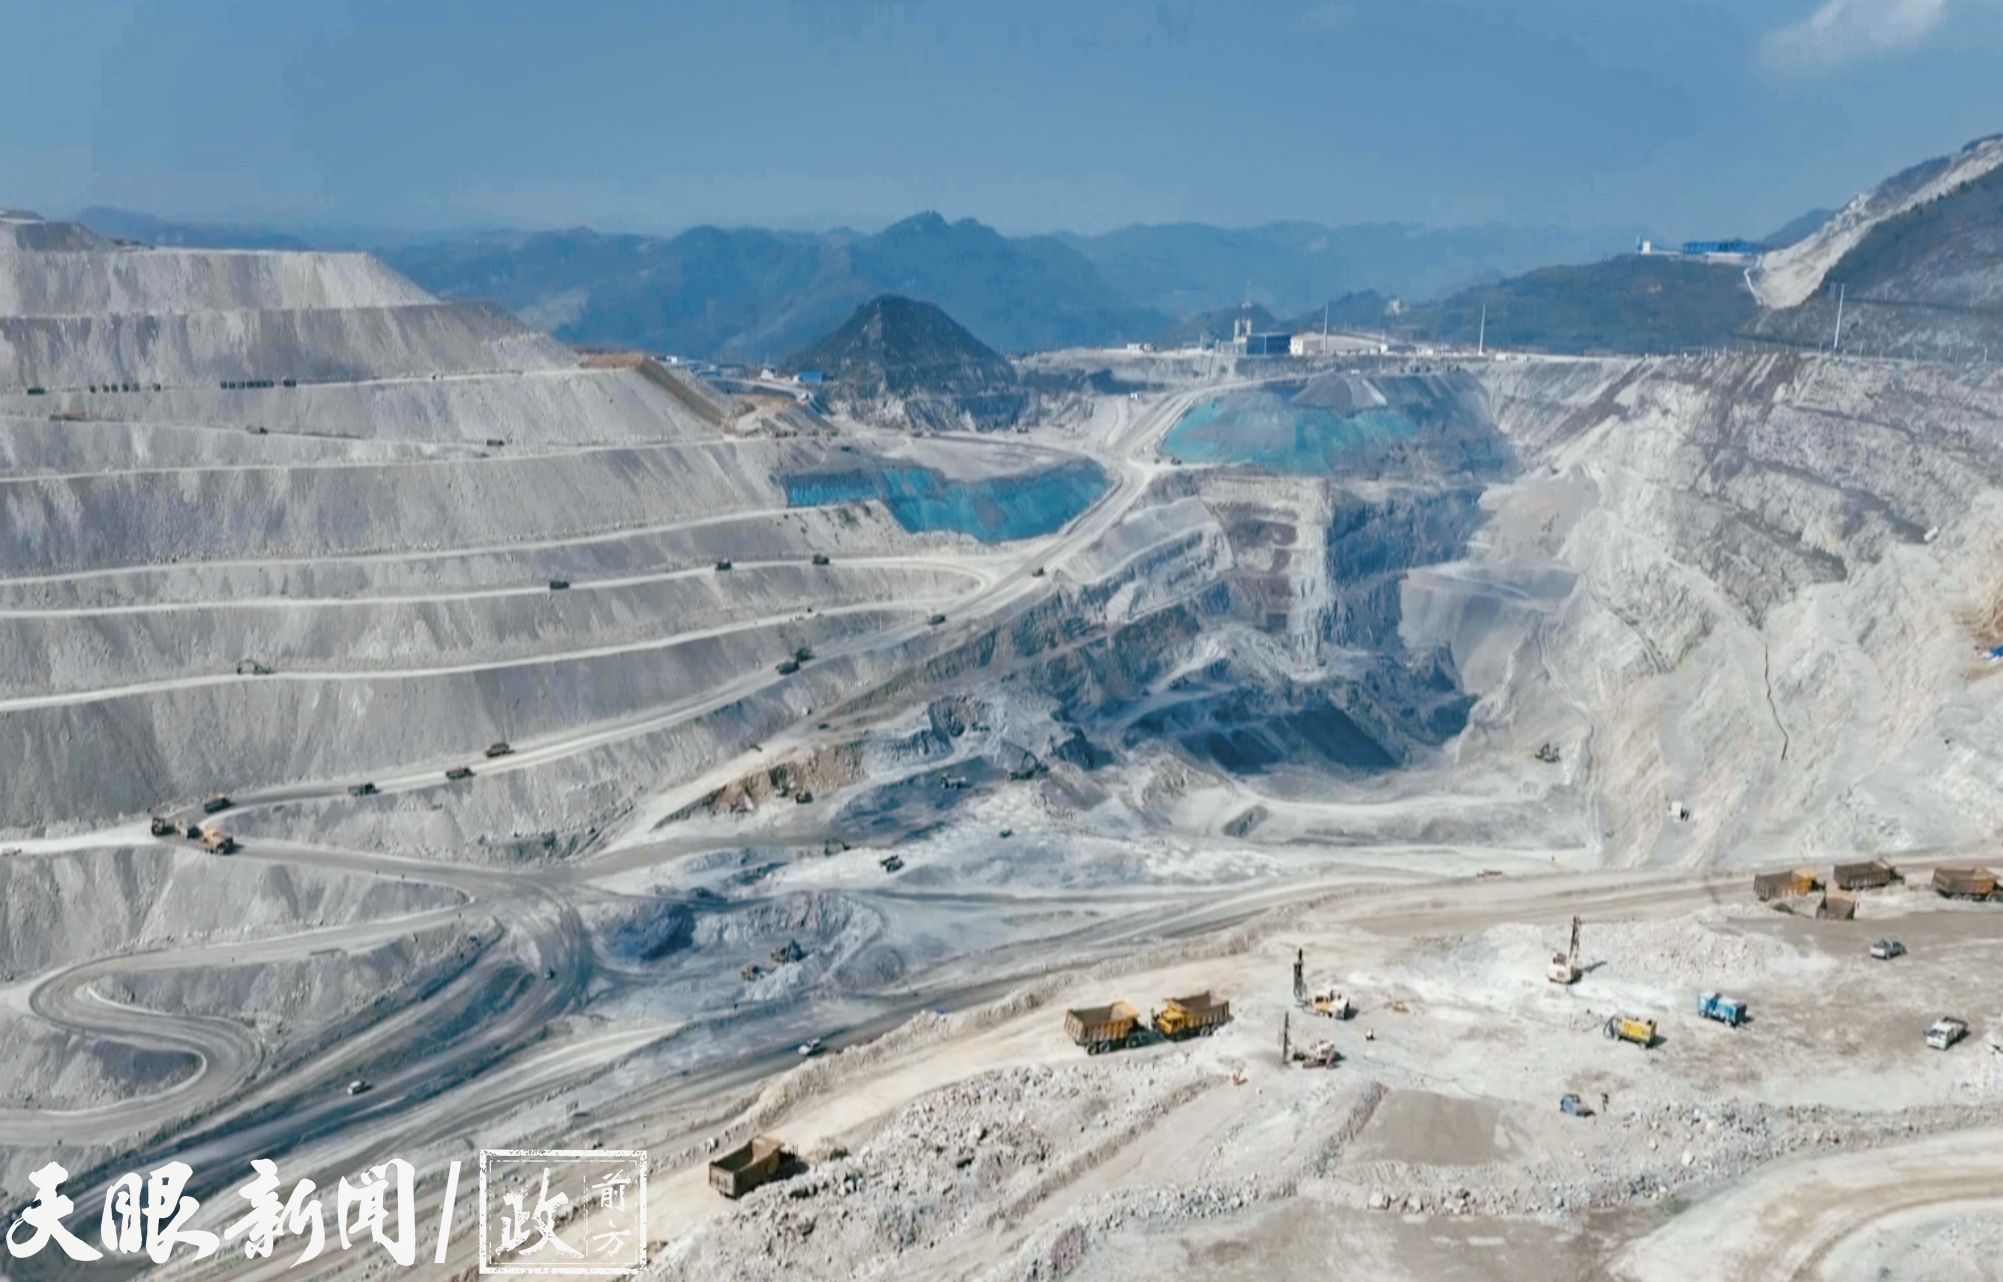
{"x": 1564, "y": 968}
{"x": 1794, "y": 883}
{"x": 1102, "y": 1028}
{"x": 1331, "y": 1004}
{"x": 1194, "y": 1016}
{"x": 1639, "y": 1031}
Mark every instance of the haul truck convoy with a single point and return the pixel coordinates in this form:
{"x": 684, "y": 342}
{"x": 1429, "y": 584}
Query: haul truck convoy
{"x": 1109, "y": 1028}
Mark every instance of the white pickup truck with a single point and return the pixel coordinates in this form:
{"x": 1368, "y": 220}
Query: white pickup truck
{"x": 1945, "y": 1032}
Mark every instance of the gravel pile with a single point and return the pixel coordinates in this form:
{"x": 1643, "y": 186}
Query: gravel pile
{"x": 975, "y": 1155}
{"x": 1646, "y": 1155}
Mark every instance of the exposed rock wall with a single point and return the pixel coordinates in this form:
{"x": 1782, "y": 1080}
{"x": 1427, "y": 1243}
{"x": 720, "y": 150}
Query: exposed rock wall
{"x": 1784, "y": 568}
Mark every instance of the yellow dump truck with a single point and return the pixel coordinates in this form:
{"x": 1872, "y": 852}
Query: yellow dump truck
{"x": 745, "y": 1168}
{"x": 1964, "y": 883}
{"x": 218, "y": 842}
{"x": 1782, "y": 885}
{"x": 1198, "y": 1015}
{"x": 1639, "y": 1031}
{"x": 1102, "y": 1028}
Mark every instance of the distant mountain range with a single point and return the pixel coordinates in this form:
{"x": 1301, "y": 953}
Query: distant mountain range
{"x": 1184, "y": 268}
{"x": 1915, "y": 265}
{"x": 750, "y": 295}
{"x": 745, "y": 294}
{"x": 755, "y": 295}
{"x": 121, "y": 224}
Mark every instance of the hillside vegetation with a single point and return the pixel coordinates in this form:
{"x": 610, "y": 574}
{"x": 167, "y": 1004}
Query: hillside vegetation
{"x": 1628, "y": 305}
{"x": 1926, "y": 283}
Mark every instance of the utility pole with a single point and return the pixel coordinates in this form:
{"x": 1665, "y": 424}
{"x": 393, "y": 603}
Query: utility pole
{"x": 1481, "y": 343}
{"x": 1838, "y": 344}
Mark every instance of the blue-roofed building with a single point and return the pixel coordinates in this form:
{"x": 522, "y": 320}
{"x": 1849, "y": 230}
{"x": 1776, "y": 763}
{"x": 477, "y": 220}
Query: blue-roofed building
{"x": 810, "y": 376}
{"x": 1720, "y": 247}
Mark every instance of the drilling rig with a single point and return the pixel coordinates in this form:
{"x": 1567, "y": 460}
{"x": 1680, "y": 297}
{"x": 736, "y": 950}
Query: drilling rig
{"x": 1331, "y": 1004}
{"x": 1564, "y": 968}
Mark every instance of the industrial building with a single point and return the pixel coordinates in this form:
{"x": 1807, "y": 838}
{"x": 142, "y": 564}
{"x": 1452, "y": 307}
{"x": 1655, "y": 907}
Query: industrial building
{"x": 1277, "y": 343}
{"x": 1699, "y": 247}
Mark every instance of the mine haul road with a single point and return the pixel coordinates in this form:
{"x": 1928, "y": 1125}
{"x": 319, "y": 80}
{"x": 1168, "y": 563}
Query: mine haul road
{"x": 1783, "y": 1224}
{"x": 969, "y": 568}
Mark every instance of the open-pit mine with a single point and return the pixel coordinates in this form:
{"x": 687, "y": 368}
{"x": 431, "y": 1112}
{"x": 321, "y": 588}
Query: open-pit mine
{"x": 1263, "y": 817}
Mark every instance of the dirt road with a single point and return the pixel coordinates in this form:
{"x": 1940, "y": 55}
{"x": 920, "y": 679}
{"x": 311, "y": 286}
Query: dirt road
{"x": 1781, "y": 1226}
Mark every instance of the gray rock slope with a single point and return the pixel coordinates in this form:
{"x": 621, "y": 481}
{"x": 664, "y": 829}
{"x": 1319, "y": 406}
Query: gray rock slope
{"x": 1785, "y": 581}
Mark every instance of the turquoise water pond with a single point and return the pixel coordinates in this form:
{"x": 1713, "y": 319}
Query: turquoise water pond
{"x": 991, "y": 509}
{"x": 1267, "y": 430}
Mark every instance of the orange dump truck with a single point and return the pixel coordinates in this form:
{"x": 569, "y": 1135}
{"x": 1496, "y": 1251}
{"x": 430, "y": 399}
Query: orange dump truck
{"x": 1781, "y": 885}
{"x": 1964, "y": 883}
{"x": 1103, "y": 1028}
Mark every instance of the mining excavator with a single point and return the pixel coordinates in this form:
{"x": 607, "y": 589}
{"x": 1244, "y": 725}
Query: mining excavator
{"x": 1564, "y": 968}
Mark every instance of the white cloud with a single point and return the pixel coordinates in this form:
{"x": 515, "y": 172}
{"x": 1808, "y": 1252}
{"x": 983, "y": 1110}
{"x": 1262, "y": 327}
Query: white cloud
{"x": 1845, "y": 29}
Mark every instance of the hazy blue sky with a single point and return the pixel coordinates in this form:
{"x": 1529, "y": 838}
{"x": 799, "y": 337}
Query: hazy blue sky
{"x": 1687, "y": 116}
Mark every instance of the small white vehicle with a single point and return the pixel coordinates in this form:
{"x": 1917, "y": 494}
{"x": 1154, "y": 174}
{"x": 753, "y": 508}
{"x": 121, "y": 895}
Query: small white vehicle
{"x": 1945, "y": 1032}
{"x": 1886, "y": 949}
{"x": 810, "y": 1049}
